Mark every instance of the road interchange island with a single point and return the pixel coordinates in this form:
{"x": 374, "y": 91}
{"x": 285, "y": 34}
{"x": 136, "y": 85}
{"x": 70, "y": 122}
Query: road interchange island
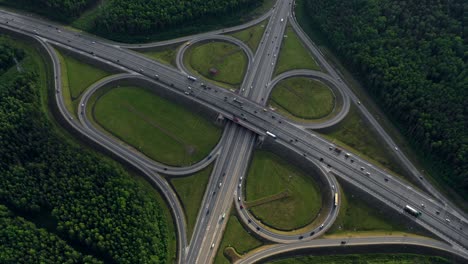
{"x": 249, "y": 122}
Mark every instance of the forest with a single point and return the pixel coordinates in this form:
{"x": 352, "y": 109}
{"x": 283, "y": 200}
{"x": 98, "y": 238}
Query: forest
{"x": 84, "y": 200}
{"x": 143, "y": 16}
{"x": 64, "y": 10}
{"x": 411, "y": 56}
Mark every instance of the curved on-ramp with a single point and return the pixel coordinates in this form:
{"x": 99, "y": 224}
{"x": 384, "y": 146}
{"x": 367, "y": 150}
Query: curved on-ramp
{"x": 326, "y": 245}
{"x": 342, "y": 100}
{"x": 270, "y": 234}
{"x": 115, "y": 143}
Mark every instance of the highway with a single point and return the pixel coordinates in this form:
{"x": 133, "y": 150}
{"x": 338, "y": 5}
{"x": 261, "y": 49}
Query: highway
{"x": 248, "y": 111}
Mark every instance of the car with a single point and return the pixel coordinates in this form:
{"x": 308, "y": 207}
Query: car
{"x": 240, "y": 184}
{"x": 359, "y": 102}
{"x": 321, "y": 226}
{"x": 240, "y": 178}
{"x": 187, "y": 93}
{"x": 396, "y": 148}
{"x": 220, "y": 184}
{"x": 301, "y": 237}
{"x": 367, "y": 174}
{"x": 343, "y": 242}
{"x": 282, "y": 20}
{"x": 312, "y": 233}
{"x": 212, "y": 245}
{"x": 238, "y": 198}
{"x": 362, "y": 168}
{"x": 242, "y": 207}
{"x": 223, "y": 216}
{"x": 448, "y": 220}
{"x": 208, "y": 212}
{"x": 258, "y": 228}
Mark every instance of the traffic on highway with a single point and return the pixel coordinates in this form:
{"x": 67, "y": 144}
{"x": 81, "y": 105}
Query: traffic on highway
{"x": 249, "y": 122}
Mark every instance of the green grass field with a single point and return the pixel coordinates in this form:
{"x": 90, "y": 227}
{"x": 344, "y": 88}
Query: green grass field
{"x": 228, "y": 59}
{"x": 356, "y": 216}
{"x": 354, "y": 133}
{"x": 164, "y": 131}
{"x": 282, "y": 196}
{"x": 293, "y": 55}
{"x": 237, "y": 238}
{"x": 365, "y": 259}
{"x": 252, "y": 35}
{"x": 81, "y": 75}
{"x": 166, "y": 55}
{"x": 190, "y": 191}
{"x": 303, "y": 98}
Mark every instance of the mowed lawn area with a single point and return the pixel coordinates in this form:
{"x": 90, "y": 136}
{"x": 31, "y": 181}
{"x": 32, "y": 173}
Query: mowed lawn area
{"x": 190, "y": 191}
{"x": 280, "y": 195}
{"x": 303, "y": 98}
{"x": 81, "y": 75}
{"x": 236, "y": 241}
{"x": 389, "y": 258}
{"x": 164, "y": 131}
{"x": 165, "y": 55}
{"x": 229, "y": 60}
{"x": 252, "y": 35}
{"x": 357, "y": 216}
{"x": 293, "y": 55}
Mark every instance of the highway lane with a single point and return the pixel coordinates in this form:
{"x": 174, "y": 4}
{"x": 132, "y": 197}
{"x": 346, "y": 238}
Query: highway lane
{"x": 236, "y": 165}
{"x": 157, "y": 180}
{"x": 417, "y": 175}
{"x": 259, "y": 121}
{"x": 337, "y": 88}
{"x": 205, "y": 251}
{"x": 330, "y": 244}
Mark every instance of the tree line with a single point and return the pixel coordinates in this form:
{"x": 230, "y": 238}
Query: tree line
{"x": 411, "y": 56}
{"x": 93, "y": 202}
{"x": 142, "y": 16}
{"x": 23, "y": 242}
{"x": 7, "y": 56}
{"x": 63, "y": 10}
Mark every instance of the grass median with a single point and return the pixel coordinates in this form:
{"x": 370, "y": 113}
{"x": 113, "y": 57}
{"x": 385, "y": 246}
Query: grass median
{"x": 76, "y": 77}
{"x": 164, "y": 131}
{"x": 166, "y": 55}
{"x": 252, "y": 35}
{"x": 293, "y": 55}
{"x": 280, "y": 195}
{"x": 303, "y": 98}
{"x": 190, "y": 191}
{"x": 236, "y": 242}
{"x": 219, "y": 61}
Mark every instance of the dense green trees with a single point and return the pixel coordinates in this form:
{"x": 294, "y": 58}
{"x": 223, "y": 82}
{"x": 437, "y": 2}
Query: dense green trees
{"x": 412, "y": 58}
{"x": 8, "y": 55}
{"x": 149, "y": 16}
{"x": 23, "y": 242}
{"x": 65, "y": 10}
{"x": 93, "y": 203}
